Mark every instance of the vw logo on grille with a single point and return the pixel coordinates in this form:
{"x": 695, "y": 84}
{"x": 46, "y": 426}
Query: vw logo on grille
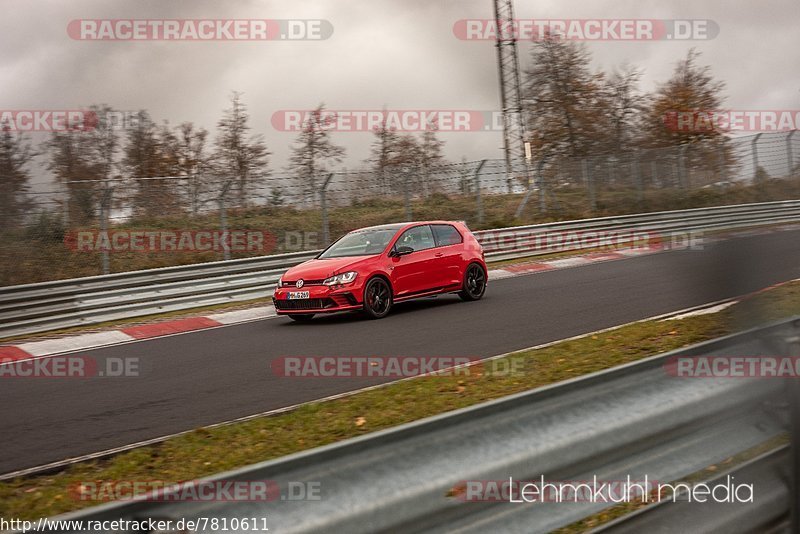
{"x": 299, "y": 283}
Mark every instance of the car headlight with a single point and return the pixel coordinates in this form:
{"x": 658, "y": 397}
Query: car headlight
{"x": 344, "y": 278}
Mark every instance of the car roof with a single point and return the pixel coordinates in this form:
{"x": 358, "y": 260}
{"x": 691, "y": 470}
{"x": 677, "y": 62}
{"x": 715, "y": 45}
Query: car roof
{"x": 403, "y": 225}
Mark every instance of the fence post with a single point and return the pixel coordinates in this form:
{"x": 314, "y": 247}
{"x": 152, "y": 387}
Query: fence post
{"x": 194, "y": 193}
{"x": 105, "y": 207}
{"x": 587, "y": 178}
{"x": 754, "y": 145}
{"x": 65, "y": 205}
{"x": 323, "y": 201}
{"x": 682, "y": 166}
{"x": 638, "y": 177}
{"x": 613, "y": 171}
{"x": 407, "y": 195}
{"x": 478, "y": 199}
{"x": 723, "y": 164}
{"x": 223, "y": 220}
{"x": 654, "y": 179}
{"x": 540, "y": 181}
{"x": 790, "y": 153}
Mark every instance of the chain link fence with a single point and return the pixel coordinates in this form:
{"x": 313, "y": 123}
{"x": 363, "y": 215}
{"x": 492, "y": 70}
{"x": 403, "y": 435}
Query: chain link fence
{"x": 84, "y": 228}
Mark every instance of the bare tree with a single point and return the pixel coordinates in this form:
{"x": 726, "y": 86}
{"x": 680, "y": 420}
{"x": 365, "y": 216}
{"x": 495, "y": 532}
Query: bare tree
{"x": 404, "y": 164}
{"x": 149, "y": 161}
{"x": 430, "y": 155}
{"x": 15, "y": 154}
{"x": 242, "y": 159}
{"x": 192, "y": 162}
{"x": 625, "y": 104}
{"x": 314, "y": 152}
{"x": 382, "y": 152}
{"x": 83, "y": 157}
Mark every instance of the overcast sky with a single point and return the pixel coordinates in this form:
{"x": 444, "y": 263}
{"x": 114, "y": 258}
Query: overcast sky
{"x": 396, "y": 53}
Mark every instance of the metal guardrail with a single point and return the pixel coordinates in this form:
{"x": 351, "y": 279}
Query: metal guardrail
{"x": 634, "y": 420}
{"x": 32, "y": 308}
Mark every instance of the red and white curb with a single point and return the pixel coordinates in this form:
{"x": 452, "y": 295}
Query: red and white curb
{"x": 34, "y": 349}
{"x": 565, "y": 263}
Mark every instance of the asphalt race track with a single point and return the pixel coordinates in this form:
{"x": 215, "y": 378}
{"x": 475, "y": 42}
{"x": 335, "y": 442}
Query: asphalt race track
{"x": 214, "y": 375}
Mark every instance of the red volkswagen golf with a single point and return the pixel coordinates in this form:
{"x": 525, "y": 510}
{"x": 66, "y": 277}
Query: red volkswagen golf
{"x": 372, "y": 268}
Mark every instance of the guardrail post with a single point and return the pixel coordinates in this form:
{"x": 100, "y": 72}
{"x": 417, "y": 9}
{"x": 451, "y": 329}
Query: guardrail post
{"x": 754, "y": 145}
{"x": 478, "y": 198}
{"x": 790, "y": 153}
{"x": 323, "y": 201}
{"x": 587, "y": 178}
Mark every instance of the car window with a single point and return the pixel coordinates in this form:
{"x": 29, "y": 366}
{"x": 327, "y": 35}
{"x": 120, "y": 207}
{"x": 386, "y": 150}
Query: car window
{"x": 446, "y": 234}
{"x": 365, "y": 242}
{"x": 418, "y": 238}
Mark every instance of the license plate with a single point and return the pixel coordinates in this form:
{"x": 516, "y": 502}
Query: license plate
{"x": 293, "y": 295}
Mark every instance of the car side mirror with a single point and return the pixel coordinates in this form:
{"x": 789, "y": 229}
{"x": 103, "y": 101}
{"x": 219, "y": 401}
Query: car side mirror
{"x": 401, "y": 251}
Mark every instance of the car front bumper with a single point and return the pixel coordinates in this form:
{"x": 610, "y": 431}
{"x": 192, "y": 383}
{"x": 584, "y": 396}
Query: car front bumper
{"x": 321, "y": 299}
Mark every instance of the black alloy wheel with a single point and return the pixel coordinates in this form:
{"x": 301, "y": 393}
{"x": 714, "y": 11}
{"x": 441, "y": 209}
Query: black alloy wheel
{"x": 377, "y": 298}
{"x": 474, "y": 283}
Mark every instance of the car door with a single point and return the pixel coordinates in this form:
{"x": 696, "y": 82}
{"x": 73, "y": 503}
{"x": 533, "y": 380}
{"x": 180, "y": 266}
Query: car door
{"x": 415, "y": 272}
{"x": 448, "y": 259}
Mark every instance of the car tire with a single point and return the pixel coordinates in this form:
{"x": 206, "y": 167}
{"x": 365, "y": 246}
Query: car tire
{"x": 301, "y": 317}
{"x": 377, "y": 298}
{"x": 474, "y": 282}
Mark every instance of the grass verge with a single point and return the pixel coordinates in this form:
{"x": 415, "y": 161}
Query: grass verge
{"x": 204, "y": 452}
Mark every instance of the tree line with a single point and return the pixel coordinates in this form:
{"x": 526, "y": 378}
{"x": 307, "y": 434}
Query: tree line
{"x": 571, "y": 111}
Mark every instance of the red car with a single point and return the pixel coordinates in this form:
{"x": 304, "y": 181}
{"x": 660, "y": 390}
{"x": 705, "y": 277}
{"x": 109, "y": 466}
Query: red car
{"x": 372, "y": 268}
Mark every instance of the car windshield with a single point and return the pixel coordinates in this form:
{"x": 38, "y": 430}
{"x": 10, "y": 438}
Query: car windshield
{"x": 361, "y": 243}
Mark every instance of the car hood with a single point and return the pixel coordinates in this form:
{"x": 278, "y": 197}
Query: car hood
{"x": 319, "y": 269}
